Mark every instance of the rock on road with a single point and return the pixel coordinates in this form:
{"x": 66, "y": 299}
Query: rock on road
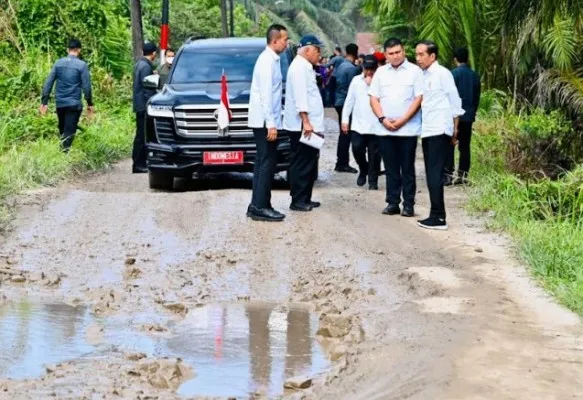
{"x": 407, "y": 313}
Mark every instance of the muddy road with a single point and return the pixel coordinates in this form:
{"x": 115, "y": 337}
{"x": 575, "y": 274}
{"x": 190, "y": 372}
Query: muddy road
{"x": 110, "y": 290}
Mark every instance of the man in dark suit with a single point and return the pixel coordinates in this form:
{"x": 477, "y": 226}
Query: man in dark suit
{"x": 141, "y": 95}
{"x": 468, "y": 85}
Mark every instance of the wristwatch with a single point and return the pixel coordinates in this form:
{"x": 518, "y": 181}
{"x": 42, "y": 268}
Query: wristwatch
{"x": 381, "y": 119}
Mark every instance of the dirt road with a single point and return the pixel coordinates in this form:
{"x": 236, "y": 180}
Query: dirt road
{"x": 109, "y": 290}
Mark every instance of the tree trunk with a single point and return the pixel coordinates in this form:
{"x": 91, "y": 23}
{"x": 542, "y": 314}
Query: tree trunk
{"x": 137, "y": 31}
{"x": 231, "y": 18}
{"x": 224, "y": 24}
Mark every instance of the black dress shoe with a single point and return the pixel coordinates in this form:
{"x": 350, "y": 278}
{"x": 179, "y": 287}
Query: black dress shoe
{"x": 300, "y": 207}
{"x": 448, "y": 180}
{"x": 392, "y": 209}
{"x": 250, "y": 209}
{"x": 265, "y": 214}
{"x": 408, "y": 212}
{"x": 361, "y": 180}
{"x": 373, "y": 186}
{"x": 314, "y": 204}
{"x": 346, "y": 168}
{"x": 139, "y": 170}
{"x": 277, "y": 212}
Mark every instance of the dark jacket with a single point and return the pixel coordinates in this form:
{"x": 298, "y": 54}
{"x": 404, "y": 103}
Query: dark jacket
{"x": 469, "y": 89}
{"x": 141, "y": 96}
{"x": 72, "y": 76}
{"x": 344, "y": 75}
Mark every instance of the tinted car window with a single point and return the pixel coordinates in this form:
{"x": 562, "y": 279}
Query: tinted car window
{"x": 207, "y": 65}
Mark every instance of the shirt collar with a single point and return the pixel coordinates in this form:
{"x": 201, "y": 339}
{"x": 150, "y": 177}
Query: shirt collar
{"x": 433, "y": 66}
{"x": 404, "y": 65}
{"x": 272, "y": 53}
{"x": 305, "y": 61}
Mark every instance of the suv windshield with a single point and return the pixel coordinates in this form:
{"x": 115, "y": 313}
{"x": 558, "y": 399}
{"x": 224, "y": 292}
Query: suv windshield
{"x": 207, "y": 65}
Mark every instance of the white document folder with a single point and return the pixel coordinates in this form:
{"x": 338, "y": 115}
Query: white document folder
{"x": 314, "y": 140}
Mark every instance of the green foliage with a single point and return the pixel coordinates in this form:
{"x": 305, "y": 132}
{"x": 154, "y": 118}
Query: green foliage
{"x": 46, "y": 26}
{"x": 544, "y": 216}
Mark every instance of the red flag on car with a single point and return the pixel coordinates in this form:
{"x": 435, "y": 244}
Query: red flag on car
{"x": 225, "y": 114}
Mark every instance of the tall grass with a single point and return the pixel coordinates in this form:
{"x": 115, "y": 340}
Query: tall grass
{"x": 544, "y": 216}
{"x": 30, "y": 153}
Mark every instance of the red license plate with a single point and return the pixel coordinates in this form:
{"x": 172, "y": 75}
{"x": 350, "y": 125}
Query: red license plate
{"x": 222, "y": 157}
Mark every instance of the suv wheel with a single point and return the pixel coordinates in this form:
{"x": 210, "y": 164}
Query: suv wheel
{"x": 160, "y": 180}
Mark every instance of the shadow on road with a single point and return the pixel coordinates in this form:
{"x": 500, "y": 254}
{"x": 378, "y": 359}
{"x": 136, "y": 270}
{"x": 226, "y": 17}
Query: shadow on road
{"x": 221, "y": 181}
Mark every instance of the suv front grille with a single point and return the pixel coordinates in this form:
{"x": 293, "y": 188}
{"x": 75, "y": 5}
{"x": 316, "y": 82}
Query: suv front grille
{"x": 200, "y": 121}
{"x": 164, "y": 130}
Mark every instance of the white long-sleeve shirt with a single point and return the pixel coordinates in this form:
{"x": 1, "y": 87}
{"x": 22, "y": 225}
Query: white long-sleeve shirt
{"x": 441, "y": 101}
{"x": 266, "y": 92}
{"x": 357, "y": 103}
{"x": 396, "y": 89}
{"x": 302, "y": 95}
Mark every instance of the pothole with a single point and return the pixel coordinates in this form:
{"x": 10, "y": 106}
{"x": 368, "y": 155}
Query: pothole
{"x": 233, "y": 349}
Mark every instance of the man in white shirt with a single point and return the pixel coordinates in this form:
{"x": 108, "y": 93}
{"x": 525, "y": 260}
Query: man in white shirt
{"x": 265, "y": 119}
{"x": 441, "y": 108}
{"x": 303, "y": 114}
{"x": 395, "y": 97}
{"x": 364, "y": 125}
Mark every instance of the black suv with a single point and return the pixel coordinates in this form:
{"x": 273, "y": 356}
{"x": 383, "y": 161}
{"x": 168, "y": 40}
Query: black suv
{"x": 182, "y": 134}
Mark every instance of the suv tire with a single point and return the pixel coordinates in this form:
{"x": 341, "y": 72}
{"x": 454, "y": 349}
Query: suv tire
{"x": 160, "y": 180}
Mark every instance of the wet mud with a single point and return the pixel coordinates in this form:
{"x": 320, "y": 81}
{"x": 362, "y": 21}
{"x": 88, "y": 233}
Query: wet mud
{"x": 179, "y": 295}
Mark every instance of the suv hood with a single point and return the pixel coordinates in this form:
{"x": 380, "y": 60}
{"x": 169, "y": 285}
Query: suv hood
{"x": 201, "y": 93}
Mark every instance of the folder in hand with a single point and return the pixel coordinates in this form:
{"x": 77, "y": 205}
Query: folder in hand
{"x": 314, "y": 140}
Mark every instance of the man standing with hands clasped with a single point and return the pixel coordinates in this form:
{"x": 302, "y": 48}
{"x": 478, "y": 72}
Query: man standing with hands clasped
{"x": 265, "y": 119}
{"x": 303, "y": 115}
{"x": 395, "y": 97}
{"x": 441, "y": 108}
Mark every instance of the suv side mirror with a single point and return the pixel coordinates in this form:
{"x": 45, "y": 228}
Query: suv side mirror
{"x": 151, "y": 81}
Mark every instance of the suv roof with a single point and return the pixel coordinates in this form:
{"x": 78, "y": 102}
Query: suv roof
{"x": 226, "y": 42}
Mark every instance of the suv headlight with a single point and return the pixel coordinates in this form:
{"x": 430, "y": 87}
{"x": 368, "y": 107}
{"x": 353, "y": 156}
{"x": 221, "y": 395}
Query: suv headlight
{"x": 160, "y": 111}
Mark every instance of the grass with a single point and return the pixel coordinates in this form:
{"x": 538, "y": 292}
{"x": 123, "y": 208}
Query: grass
{"x": 29, "y": 160}
{"x": 544, "y": 216}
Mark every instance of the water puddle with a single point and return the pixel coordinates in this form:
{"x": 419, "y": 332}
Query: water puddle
{"x": 234, "y": 349}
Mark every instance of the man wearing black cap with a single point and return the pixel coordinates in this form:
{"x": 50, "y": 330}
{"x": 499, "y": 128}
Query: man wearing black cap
{"x": 303, "y": 114}
{"x": 72, "y": 77}
{"x": 141, "y": 96}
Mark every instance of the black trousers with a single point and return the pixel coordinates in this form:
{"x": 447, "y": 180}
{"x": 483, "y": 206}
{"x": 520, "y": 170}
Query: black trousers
{"x": 264, "y": 169}
{"x": 399, "y": 159}
{"x": 302, "y": 170}
{"x": 139, "y": 151}
{"x": 435, "y": 153}
{"x": 361, "y": 145}
{"x": 464, "y": 138}
{"x": 68, "y": 123}
{"x": 343, "y": 149}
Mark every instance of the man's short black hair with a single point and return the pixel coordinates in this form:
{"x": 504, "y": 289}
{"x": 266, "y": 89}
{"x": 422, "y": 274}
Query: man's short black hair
{"x": 352, "y": 49}
{"x": 431, "y": 47}
{"x": 338, "y": 49}
{"x": 361, "y": 55}
{"x": 273, "y": 32}
{"x": 74, "y": 44}
{"x": 170, "y": 49}
{"x": 392, "y": 42}
{"x": 462, "y": 55}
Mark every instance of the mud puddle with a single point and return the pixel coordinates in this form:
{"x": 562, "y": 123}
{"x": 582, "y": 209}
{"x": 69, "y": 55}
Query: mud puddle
{"x": 232, "y": 349}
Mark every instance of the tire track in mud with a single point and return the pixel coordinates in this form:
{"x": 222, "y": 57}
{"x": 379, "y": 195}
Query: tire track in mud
{"x": 404, "y": 313}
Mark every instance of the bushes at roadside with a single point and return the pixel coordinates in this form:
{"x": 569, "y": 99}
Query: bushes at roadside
{"x": 543, "y": 213}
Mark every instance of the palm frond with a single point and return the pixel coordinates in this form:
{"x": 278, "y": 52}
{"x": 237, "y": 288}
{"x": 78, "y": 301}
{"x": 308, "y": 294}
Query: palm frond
{"x": 306, "y": 6}
{"x": 336, "y": 26}
{"x": 562, "y": 88}
{"x": 276, "y": 19}
{"x": 437, "y": 26}
{"x": 560, "y": 43}
{"x": 306, "y": 25}
{"x": 467, "y": 15}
